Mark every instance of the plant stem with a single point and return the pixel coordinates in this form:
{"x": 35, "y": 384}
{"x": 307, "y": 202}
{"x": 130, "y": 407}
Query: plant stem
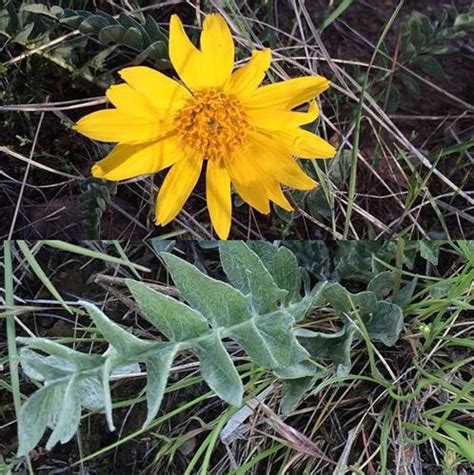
{"x": 11, "y": 334}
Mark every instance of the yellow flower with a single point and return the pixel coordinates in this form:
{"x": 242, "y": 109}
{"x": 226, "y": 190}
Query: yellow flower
{"x": 246, "y": 134}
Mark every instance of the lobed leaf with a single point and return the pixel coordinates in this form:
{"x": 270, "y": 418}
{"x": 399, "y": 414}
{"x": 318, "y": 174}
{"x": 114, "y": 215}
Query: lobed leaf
{"x": 383, "y": 320}
{"x": 80, "y": 360}
{"x": 174, "y": 319}
{"x": 381, "y": 284}
{"x": 269, "y": 340}
{"x": 334, "y": 347}
{"x": 44, "y": 368}
{"x": 221, "y": 304}
{"x": 285, "y": 271}
{"x": 247, "y": 273}
{"x": 35, "y": 415}
{"x": 158, "y": 368}
{"x": 218, "y": 370}
{"x": 124, "y": 342}
{"x": 69, "y": 415}
{"x": 386, "y": 323}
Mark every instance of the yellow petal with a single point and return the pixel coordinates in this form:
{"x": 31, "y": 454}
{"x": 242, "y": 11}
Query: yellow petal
{"x": 129, "y": 101}
{"x": 218, "y": 197}
{"x": 287, "y": 95}
{"x": 217, "y": 47}
{"x": 246, "y": 79}
{"x": 185, "y": 57}
{"x": 304, "y": 144}
{"x": 280, "y": 120}
{"x": 112, "y": 125}
{"x": 276, "y": 160}
{"x": 176, "y": 188}
{"x": 276, "y": 195}
{"x": 128, "y": 161}
{"x": 248, "y": 180}
{"x": 164, "y": 94}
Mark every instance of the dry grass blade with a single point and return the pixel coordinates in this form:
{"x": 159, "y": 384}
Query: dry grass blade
{"x": 293, "y": 437}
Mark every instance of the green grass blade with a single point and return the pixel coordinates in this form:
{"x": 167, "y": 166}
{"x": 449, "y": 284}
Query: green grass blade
{"x": 36, "y": 268}
{"x": 65, "y": 246}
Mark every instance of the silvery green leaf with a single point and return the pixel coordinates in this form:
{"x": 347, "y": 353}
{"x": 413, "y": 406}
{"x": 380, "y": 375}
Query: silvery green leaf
{"x": 91, "y": 393}
{"x": 317, "y": 293}
{"x": 113, "y": 360}
{"x": 124, "y": 342}
{"x": 343, "y": 301}
{"x": 44, "y": 368}
{"x": 386, "y": 323}
{"x": 218, "y": 302}
{"x": 207, "y": 244}
{"x": 297, "y": 371}
{"x": 381, "y": 284}
{"x": 174, "y": 319}
{"x": 105, "y": 380}
{"x": 158, "y": 368}
{"x": 246, "y": 272}
{"x": 162, "y": 245}
{"x": 406, "y": 293}
{"x": 218, "y": 370}
{"x": 337, "y": 297}
{"x": 300, "y": 310}
{"x": 293, "y": 391}
{"x": 265, "y": 250}
{"x": 430, "y": 251}
{"x": 365, "y": 304}
{"x": 126, "y": 369}
{"x": 81, "y": 361}
{"x": 285, "y": 271}
{"x": 329, "y": 346}
{"x": 35, "y": 414}
{"x": 355, "y": 259}
{"x": 69, "y": 415}
{"x": 32, "y": 364}
{"x": 314, "y": 256}
{"x": 269, "y": 340}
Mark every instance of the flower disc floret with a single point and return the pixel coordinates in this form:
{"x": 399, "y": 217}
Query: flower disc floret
{"x": 212, "y": 123}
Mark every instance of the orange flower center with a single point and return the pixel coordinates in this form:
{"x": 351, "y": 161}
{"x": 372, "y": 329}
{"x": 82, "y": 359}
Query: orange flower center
{"x": 212, "y": 123}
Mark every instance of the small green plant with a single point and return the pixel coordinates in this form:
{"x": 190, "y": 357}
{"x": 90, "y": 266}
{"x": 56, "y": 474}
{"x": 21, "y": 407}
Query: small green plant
{"x": 423, "y": 40}
{"x": 263, "y": 308}
{"x": 99, "y": 36}
{"x": 146, "y": 37}
{"x": 95, "y": 194}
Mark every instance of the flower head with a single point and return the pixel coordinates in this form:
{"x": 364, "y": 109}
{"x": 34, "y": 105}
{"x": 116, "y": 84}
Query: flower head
{"x": 245, "y": 134}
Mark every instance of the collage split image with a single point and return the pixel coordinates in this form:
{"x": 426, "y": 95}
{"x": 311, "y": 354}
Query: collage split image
{"x": 237, "y": 237}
